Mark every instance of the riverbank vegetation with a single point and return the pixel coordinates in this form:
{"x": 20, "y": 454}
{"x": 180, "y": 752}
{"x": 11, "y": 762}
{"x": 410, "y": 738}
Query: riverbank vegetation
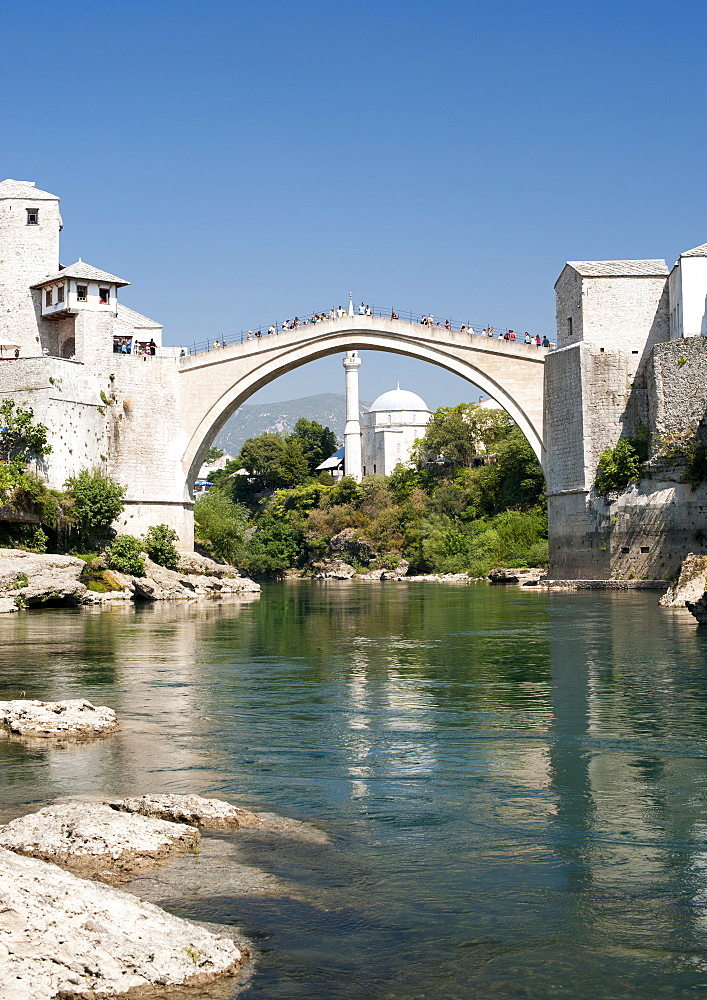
{"x": 471, "y": 500}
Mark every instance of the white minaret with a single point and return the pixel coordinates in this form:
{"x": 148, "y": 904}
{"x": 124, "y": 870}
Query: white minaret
{"x": 352, "y": 431}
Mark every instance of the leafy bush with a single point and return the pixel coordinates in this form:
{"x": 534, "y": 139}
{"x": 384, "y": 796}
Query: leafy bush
{"x": 96, "y": 501}
{"x": 274, "y": 547}
{"x": 23, "y": 536}
{"x": 619, "y": 466}
{"x": 159, "y": 545}
{"x": 124, "y": 554}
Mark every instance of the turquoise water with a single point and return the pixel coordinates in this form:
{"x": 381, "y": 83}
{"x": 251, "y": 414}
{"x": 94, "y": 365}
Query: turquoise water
{"x": 513, "y": 783}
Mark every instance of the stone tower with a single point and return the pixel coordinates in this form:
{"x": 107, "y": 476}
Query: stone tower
{"x": 30, "y": 224}
{"x": 352, "y": 430}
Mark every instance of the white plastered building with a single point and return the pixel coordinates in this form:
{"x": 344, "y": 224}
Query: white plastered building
{"x": 390, "y": 428}
{"x": 688, "y": 294}
{"x": 45, "y": 308}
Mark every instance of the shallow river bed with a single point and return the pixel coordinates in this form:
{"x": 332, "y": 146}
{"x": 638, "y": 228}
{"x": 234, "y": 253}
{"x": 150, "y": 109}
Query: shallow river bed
{"x": 512, "y": 784}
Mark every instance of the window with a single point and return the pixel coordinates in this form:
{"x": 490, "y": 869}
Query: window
{"x": 32, "y": 216}
{"x": 48, "y": 298}
{"x": 60, "y": 293}
{"x": 82, "y": 293}
{"x": 645, "y": 548}
{"x": 569, "y": 326}
{"x": 104, "y": 295}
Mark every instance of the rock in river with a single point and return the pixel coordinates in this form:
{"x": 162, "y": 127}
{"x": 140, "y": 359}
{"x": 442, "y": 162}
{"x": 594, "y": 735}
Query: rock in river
{"x": 690, "y": 582}
{"x": 75, "y": 717}
{"x": 61, "y": 936}
{"x": 212, "y": 814}
{"x": 95, "y": 840}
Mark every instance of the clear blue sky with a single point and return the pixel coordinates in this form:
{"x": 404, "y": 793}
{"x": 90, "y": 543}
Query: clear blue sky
{"x": 244, "y": 161}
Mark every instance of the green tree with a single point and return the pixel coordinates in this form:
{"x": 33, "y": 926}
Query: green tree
{"x": 317, "y": 442}
{"x": 20, "y": 438}
{"x": 458, "y": 434}
{"x": 96, "y": 501}
{"x": 158, "y": 542}
{"x": 212, "y": 455}
{"x": 220, "y": 525}
{"x": 274, "y": 461}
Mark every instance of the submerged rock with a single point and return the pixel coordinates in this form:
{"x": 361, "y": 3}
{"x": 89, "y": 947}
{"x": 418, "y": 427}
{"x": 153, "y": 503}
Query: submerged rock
{"x": 61, "y": 936}
{"x": 690, "y": 583}
{"x": 74, "y": 717}
{"x": 95, "y": 840}
{"x": 212, "y": 814}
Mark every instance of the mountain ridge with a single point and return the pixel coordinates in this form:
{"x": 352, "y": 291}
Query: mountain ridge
{"x": 253, "y": 419}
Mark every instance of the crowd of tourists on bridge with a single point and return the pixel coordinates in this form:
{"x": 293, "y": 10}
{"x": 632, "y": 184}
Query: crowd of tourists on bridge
{"x": 366, "y": 310}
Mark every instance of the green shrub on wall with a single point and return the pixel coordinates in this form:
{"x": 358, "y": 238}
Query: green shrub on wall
{"x": 620, "y": 466}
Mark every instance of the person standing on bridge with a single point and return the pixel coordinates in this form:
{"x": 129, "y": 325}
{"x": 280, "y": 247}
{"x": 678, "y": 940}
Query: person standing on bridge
{"x": 362, "y": 310}
{"x": 447, "y": 325}
{"x": 393, "y": 314}
{"x": 546, "y": 342}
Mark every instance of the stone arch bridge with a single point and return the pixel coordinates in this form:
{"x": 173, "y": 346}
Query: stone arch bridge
{"x": 215, "y": 383}
{"x": 168, "y": 410}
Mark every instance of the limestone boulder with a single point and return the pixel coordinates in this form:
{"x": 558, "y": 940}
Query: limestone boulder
{"x": 161, "y": 584}
{"x": 690, "y": 583}
{"x": 8, "y": 606}
{"x": 196, "y": 564}
{"x": 74, "y": 717}
{"x": 96, "y": 841}
{"x": 212, "y": 814}
{"x": 37, "y": 578}
{"x": 333, "y": 569}
{"x": 64, "y": 937}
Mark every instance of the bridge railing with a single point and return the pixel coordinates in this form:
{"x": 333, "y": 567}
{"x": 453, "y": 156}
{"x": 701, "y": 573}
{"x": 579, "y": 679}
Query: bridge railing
{"x": 384, "y": 312}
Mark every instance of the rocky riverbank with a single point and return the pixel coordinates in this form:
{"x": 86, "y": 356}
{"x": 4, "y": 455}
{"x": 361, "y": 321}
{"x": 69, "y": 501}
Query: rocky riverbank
{"x": 67, "y": 932}
{"x": 29, "y": 580}
{"x": 689, "y": 589}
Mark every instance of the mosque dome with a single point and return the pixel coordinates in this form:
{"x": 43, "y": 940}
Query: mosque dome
{"x": 399, "y": 399}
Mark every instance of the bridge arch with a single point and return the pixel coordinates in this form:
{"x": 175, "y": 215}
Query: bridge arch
{"x": 215, "y": 383}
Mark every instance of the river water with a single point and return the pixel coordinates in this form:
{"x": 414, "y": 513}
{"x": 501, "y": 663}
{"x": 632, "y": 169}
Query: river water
{"x": 513, "y": 783}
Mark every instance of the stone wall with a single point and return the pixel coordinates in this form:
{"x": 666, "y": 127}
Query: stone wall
{"x": 646, "y": 531}
{"x": 677, "y": 389}
{"x": 67, "y": 400}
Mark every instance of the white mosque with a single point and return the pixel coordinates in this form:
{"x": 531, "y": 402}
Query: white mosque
{"x": 394, "y": 422}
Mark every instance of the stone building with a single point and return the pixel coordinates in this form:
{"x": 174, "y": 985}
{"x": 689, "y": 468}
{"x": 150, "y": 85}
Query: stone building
{"x": 606, "y": 380}
{"x": 119, "y": 414}
{"x": 391, "y": 426}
